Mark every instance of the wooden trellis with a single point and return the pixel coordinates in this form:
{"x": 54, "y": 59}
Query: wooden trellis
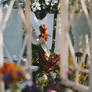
{"x": 26, "y": 20}
{"x": 65, "y": 42}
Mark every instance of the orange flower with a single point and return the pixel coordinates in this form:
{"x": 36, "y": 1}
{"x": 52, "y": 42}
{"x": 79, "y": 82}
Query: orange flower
{"x": 44, "y": 33}
{"x": 2, "y": 70}
{"x": 9, "y": 66}
{"x": 14, "y": 76}
{"x": 44, "y": 26}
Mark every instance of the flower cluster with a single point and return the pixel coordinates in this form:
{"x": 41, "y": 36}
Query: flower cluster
{"x": 12, "y": 73}
{"x": 84, "y": 77}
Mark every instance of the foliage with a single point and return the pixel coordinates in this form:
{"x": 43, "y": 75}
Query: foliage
{"x": 84, "y": 77}
{"x": 42, "y": 7}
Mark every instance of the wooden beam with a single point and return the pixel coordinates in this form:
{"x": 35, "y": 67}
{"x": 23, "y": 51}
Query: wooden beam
{"x": 90, "y": 79}
{"x": 78, "y": 68}
{"x": 73, "y": 85}
{"x": 29, "y": 43}
{"x": 1, "y": 50}
{"x": 1, "y": 38}
{"x": 89, "y": 20}
{"x": 64, "y": 40}
{"x": 4, "y": 22}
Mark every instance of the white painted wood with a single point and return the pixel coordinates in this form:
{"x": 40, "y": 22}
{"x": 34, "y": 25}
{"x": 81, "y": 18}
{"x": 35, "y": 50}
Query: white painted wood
{"x": 90, "y": 62}
{"x": 22, "y": 49}
{"x": 68, "y": 83}
{"x": 90, "y": 82}
{"x": 89, "y": 20}
{"x": 78, "y": 68}
{"x": 4, "y": 22}
{"x": 1, "y": 50}
{"x": 2, "y": 89}
{"x": 29, "y": 43}
{"x": 73, "y": 85}
{"x": 26, "y": 35}
{"x": 64, "y": 40}
{"x": 88, "y": 49}
{"x": 2, "y": 27}
{"x": 1, "y": 37}
{"x": 72, "y": 50}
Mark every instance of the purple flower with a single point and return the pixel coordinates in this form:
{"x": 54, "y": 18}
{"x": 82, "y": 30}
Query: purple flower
{"x": 19, "y": 73}
{"x": 6, "y": 77}
{"x": 34, "y": 85}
